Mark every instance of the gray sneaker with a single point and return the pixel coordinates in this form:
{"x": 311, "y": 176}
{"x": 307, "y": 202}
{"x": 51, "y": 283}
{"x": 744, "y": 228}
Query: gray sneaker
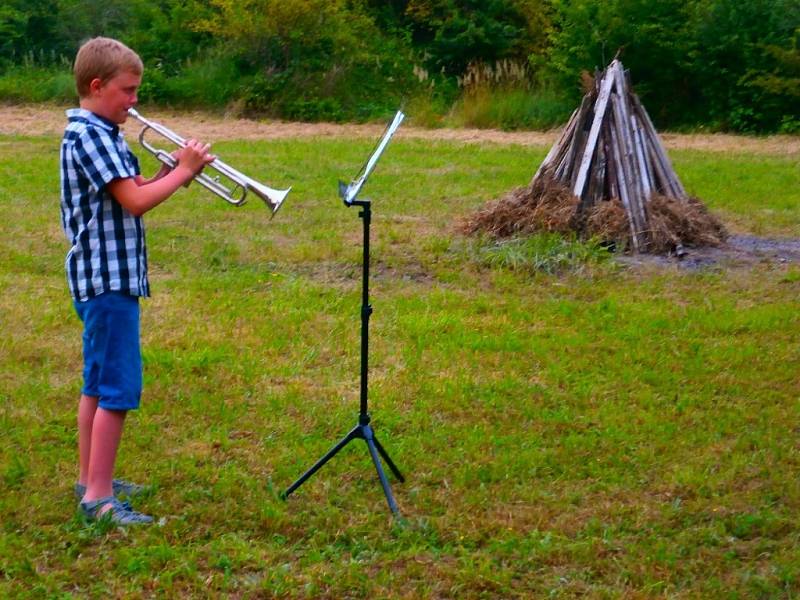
{"x": 119, "y": 513}
{"x": 120, "y": 487}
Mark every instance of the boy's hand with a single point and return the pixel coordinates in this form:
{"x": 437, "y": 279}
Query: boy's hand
{"x": 166, "y": 168}
{"x": 194, "y": 156}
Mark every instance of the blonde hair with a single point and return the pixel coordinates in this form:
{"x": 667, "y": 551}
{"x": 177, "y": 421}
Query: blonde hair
{"x": 102, "y": 58}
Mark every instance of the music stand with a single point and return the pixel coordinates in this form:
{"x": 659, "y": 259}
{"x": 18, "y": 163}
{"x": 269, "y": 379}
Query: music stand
{"x": 362, "y": 430}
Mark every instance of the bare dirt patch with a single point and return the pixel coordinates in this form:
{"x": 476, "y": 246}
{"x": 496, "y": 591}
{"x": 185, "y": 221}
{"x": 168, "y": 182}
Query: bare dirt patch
{"x": 50, "y": 120}
{"x": 737, "y": 251}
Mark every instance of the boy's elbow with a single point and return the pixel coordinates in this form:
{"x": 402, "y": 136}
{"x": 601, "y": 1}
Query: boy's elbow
{"x": 128, "y": 196}
{"x": 130, "y": 205}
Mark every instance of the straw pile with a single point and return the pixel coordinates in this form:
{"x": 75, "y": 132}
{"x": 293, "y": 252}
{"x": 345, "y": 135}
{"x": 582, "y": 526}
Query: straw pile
{"x": 607, "y": 176}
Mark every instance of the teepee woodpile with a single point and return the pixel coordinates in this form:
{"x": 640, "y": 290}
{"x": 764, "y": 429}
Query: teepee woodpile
{"x": 610, "y": 149}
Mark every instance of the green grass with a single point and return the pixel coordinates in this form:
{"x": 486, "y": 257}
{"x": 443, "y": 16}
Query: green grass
{"x": 540, "y": 253}
{"x": 755, "y": 194}
{"x": 600, "y": 432}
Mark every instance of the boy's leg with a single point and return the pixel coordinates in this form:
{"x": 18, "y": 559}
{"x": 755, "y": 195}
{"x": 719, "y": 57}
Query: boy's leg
{"x": 106, "y": 435}
{"x": 112, "y": 386}
{"x": 87, "y": 408}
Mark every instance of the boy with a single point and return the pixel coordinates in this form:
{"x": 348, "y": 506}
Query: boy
{"x": 103, "y": 198}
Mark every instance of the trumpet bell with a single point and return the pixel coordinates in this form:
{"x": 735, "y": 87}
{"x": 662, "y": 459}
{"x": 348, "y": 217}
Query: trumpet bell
{"x": 272, "y": 198}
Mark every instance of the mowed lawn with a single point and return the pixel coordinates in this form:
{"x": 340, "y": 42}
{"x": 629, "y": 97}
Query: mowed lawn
{"x": 605, "y": 432}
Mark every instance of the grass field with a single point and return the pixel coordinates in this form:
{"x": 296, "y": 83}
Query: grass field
{"x": 603, "y": 432}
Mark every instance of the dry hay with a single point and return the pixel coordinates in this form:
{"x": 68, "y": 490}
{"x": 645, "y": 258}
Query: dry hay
{"x": 607, "y": 221}
{"x": 549, "y": 206}
{"x": 677, "y": 222}
{"x": 545, "y": 205}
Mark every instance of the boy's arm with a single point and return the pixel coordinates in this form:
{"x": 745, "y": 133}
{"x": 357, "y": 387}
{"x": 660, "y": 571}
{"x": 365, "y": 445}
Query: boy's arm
{"x": 138, "y": 199}
{"x": 138, "y": 195}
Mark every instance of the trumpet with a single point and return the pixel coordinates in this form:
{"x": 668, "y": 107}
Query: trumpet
{"x": 235, "y": 193}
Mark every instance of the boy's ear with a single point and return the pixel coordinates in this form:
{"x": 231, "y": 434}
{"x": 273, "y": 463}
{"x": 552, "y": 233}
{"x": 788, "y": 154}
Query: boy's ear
{"x": 95, "y": 85}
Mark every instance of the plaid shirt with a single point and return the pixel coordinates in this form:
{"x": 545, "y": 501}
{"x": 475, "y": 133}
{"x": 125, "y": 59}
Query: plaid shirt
{"x": 107, "y": 242}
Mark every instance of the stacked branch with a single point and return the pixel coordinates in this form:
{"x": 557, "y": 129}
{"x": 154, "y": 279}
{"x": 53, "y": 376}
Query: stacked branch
{"x": 610, "y": 159}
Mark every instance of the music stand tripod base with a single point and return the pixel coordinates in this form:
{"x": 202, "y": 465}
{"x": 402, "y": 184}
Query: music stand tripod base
{"x": 362, "y": 430}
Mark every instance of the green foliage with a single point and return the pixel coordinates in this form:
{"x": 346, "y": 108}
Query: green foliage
{"x": 201, "y": 82}
{"x": 733, "y": 51}
{"x": 653, "y": 38}
{"x": 455, "y": 33}
{"x": 310, "y": 60}
{"x": 452, "y": 34}
{"x": 718, "y": 64}
{"x": 779, "y": 84}
{"x": 27, "y": 26}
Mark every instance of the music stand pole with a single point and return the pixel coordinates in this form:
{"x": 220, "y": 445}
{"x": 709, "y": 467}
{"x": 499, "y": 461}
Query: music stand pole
{"x": 362, "y": 429}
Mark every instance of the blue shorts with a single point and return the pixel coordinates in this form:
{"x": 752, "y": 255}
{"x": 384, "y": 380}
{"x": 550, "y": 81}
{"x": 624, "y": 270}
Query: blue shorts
{"x": 112, "y": 357}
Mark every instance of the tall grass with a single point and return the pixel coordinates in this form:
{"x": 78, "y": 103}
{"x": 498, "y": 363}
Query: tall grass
{"x": 31, "y": 83}
{"x": 506, "y": 95}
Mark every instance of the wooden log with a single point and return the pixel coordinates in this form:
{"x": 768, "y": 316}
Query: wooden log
{"x": 661, "y": 152}
{"x": 641, "y": 156}
{"x": 662, "y": 182}
{"x": 629, "y": 147}
{"x": 556, "y": 148}
{"x": 632, "y": 191}
{"x": 562, "y": 163}
{"x": 596, "y": 183}
{"x": 567, "y": 160}
{"x": 576, "y": 150}
{"x": 611, "y": 189}
{"x": 591, "y": 143}
{"x": 623, "y": 187}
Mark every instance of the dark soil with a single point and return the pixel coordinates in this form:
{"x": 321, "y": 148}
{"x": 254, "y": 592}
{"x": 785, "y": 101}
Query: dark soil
{"x": 738, "y": 250}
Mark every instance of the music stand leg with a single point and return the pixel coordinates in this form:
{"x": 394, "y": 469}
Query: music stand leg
{"x": 388, "y": 460}
{"x": 321, "y": 462}
{"x": 373, "y": 451}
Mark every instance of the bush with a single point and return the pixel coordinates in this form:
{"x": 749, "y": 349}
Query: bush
{"x": 720, "y": 64}
{"x": 209, "y": 81}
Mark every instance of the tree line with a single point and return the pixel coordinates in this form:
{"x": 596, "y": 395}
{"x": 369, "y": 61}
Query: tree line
{"x": 715, "y": 64}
